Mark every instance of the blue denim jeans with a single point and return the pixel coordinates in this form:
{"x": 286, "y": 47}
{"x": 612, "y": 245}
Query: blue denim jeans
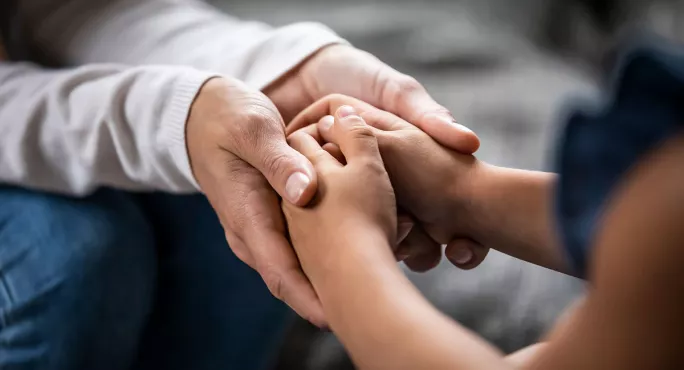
{"x": 123, "y": 281}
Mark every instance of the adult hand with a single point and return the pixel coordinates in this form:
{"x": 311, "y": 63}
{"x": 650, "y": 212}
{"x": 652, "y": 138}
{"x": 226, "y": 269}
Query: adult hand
{"x": 342, "y": 69}
{"x": 239, "y": 155}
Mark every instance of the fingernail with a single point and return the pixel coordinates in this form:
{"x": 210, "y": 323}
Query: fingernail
{"x": 345, "y": 111}
{"x": 461, "y": 256}
{"x": 451, "y": 122}
{"x": 327, "y": 122}
{"x": 296, "y": 185}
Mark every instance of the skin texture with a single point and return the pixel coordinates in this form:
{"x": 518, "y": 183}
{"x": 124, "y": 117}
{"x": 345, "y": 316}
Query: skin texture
{"x": 240, "y": 158}
{"x": 636, "y": 296}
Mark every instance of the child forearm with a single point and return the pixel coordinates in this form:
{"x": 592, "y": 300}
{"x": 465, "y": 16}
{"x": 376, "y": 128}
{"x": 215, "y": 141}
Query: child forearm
{"x": 382, "y": 319}
{"x": 512, "y": 212}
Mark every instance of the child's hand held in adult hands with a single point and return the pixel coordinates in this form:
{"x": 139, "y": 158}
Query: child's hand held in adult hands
{"x": 355, "y": 200}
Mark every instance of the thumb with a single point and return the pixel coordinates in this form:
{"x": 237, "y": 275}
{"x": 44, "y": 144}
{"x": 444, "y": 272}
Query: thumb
{"x": 407, "y": 98}
{"x": 289, "y": 172}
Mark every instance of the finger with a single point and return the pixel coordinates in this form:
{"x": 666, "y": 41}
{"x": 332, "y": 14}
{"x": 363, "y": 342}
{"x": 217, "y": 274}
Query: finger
{"x": 250, "y": 212}
{"x": 449, "y": 133}
{"x": 403, "y": 252}
{"x": 406, "y": 97}
{"x": 239, "y": 248}
{"x": 311, "y": 149}
{"x": 324, "y": 107}
{"x": 326, "y": 123}
{"x": 378, "y": 119}
{"x": 275, "y": 260}
{"x": 280, "y": 270}
{"x": 260, "y": 141}
{"x": 465, "y": 254}
{"x": 324, "y": 126}
{"x": 424, "y": 253}
{"x": 404, "y": 226}
{"x": 335, "y": 151}
{"x": 354, "y": 137}
{"x": 311, "y": 130}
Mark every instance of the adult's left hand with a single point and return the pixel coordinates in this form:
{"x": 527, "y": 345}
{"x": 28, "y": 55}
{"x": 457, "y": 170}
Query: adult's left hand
{"x": 343, "y": 69}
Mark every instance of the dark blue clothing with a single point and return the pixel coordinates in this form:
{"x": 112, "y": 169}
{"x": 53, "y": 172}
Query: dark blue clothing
{"x": 598, "y": 148}
{"x": 123, "y": 281}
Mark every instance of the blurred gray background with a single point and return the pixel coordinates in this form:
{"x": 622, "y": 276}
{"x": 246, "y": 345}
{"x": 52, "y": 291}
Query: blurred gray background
{"x": 508, "y": 70}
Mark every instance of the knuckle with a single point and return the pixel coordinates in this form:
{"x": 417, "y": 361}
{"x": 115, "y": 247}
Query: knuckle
{"x": 407, "y": 85}
{"x": 327, "y": 172}
{"x": 437, "y": 111}
{"x": 277, "y": 162}
{"x": 295, "y": 137}
{"x": 358, "y": 129}
{"x": 256, "y": 118}
{"x": 320, "y": 156}
{"x": 241, "y": 253}
{"x": 373, "y": 165}
{"x": 274, "y": 282}
{"x": 255, "y": 122}
{"x": 365, "y": 139}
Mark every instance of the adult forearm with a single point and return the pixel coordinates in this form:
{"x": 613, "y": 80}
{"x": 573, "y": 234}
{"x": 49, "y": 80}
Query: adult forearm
{"x": 178, "y": 32}
{"x": 73, "y": 130}
{"x": 512, "y": 211}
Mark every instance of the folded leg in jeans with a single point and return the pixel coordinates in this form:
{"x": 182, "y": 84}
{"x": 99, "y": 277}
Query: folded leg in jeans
{"x": 212, "y": 311}
{"x": 76, "y": 280}
{"x": 114, "y": 279}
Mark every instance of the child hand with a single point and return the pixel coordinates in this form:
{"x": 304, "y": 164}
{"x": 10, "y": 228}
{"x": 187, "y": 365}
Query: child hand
{"x": 431, "y": 182}
{"x": 355, "y": 203}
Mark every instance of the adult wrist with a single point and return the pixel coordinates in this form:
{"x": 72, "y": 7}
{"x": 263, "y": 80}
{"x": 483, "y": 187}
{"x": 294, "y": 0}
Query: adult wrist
{"x": 175, "y": 119}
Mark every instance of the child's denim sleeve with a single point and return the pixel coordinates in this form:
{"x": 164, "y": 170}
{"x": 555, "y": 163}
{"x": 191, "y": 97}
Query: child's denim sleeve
{"x": 598, "y": 148}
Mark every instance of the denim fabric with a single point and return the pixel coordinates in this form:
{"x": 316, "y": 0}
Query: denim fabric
{"x": 120, "y": 281}
{"x": 598, "y": 149}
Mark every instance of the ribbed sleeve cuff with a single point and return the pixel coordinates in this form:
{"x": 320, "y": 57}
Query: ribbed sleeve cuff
{"x": 286, "y": 48}
{"x": 175, "y": 118}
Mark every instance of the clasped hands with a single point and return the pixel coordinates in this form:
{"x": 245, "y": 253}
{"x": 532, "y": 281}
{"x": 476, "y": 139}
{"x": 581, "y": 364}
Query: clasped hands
{"x": 241, "y": 161}
{"x": 373, "y": 169}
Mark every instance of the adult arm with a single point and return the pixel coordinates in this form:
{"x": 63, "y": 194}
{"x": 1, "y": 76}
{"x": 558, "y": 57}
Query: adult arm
{"x": 177, "y": 32}
{"x": 75, "y": 129}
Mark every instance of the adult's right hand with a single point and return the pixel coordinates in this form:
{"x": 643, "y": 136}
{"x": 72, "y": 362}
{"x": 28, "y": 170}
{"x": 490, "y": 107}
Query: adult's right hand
{"x": 238, "y": 153}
